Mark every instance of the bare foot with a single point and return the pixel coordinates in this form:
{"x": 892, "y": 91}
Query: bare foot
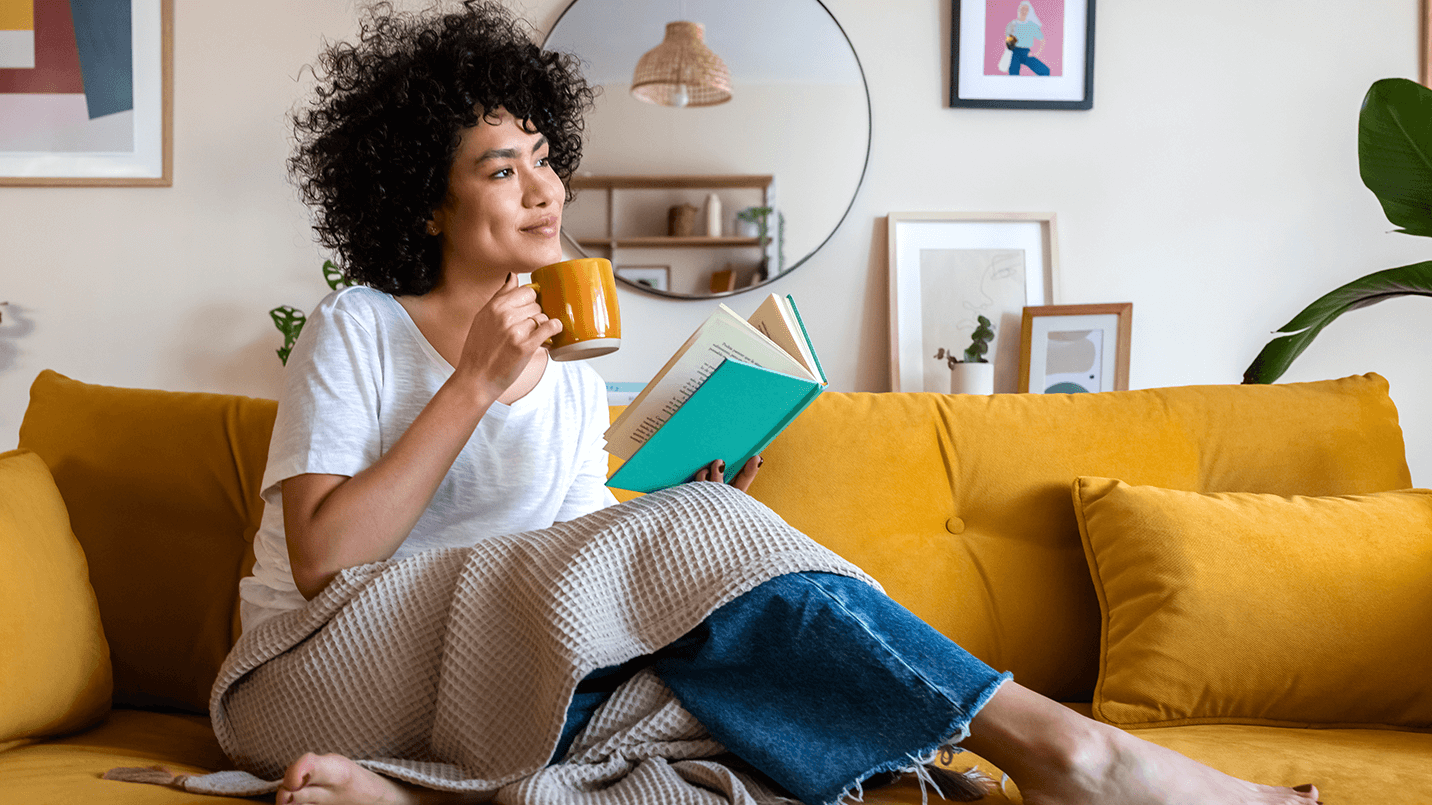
{"x": 336, "y": 780}
{"x": 1058, "y": 757}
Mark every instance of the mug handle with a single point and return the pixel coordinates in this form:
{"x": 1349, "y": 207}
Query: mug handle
{"x": 537, "y": 286}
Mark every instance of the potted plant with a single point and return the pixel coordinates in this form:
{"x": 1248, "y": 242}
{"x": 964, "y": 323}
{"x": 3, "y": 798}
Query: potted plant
{"x": 290, "y": 320}
{"x": 759, "y": 219}
{"x": 1394, "y": 151}
{"x": 974, "y": 374}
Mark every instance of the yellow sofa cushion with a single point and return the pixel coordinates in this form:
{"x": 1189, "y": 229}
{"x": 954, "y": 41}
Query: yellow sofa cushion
{"x": 1244, "y": 608}
{"x": 959, "y": 504}
{"x": 54, "y": 663}
{"x": 162, "y": 489}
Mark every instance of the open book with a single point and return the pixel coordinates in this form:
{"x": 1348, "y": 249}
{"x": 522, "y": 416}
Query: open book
{"x": 726, "y": 393}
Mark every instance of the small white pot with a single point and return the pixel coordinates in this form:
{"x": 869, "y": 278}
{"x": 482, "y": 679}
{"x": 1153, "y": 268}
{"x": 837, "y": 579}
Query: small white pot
{"x": 972, "y": 378}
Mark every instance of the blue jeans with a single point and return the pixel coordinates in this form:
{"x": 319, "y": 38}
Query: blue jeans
{"x": 817, "y": 680}
{"x": 1021, "y": 57}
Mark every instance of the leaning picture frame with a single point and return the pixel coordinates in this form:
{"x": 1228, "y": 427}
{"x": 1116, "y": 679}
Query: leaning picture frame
{"x": 946, "y": 269}
{"x": 86, "y": 94}
{"x": 1071, "y": 349}
{"x": 657, "y": 278}
{"x": 1022, "y": 54}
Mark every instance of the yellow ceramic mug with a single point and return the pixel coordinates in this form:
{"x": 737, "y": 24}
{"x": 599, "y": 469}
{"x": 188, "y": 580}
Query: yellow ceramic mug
{"x": 582, "y": 294}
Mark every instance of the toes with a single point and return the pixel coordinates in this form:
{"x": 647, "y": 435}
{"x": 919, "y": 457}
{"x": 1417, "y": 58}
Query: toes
{"x": 299, "y": 772}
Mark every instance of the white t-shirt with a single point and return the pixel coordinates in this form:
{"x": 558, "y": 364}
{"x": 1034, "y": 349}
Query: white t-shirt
{"x": 358, "y": 376}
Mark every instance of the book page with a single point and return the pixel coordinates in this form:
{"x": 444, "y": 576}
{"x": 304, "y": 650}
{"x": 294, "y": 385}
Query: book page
{"x": 724, "y": 335}
{"x": 776, "y": 321}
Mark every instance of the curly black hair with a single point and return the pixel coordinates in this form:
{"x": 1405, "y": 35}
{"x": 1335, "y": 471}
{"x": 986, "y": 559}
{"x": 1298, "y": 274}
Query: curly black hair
{"x": 376, "y": 141}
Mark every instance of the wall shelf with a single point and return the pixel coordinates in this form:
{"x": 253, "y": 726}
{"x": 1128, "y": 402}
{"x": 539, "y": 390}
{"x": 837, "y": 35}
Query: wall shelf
{"x": 665, "y": 242}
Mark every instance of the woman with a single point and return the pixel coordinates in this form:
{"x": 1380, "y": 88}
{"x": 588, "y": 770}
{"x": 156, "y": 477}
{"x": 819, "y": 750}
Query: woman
{"x": 1022, "y": 32}
{"x": 419, "y": 411}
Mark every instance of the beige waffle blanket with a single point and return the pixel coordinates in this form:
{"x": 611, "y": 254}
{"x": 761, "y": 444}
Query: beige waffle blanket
{"x": 453, "y": 669}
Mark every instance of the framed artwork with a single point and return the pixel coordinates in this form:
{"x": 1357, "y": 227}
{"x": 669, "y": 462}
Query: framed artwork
{"x": 1072, "y": 349}
{"x": 1022, "y": 54}
{"x": 655, "y": 277}
{"x": 86, "y": 92}
{"x": 1424, "y": 43}
{"x": 949, "y": 268}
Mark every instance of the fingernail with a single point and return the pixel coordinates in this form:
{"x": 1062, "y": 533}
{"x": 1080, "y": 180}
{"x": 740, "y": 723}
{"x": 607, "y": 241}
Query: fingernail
{"x": 759, "y": 462}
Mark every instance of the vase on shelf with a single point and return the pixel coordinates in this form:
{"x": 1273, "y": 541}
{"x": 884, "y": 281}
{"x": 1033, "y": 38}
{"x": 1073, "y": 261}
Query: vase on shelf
{"x": 971, "y": 378}
{"x": 713, "y": 215}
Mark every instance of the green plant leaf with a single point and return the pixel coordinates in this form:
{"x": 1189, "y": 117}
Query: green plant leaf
{"x": 289, "y": 321}
{"x": 1278, "y": 354}
{"x": 333, "y": 275}
{"x": 1394, "y": 150}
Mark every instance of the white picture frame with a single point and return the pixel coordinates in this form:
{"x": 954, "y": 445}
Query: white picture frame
{"x": 146, "y": 159}
{"x": 947, "y": 268}
{"x": 654, "y": 277}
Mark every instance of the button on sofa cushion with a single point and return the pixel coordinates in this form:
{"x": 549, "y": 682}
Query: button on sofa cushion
{"x": 54, "y": 662}
{"x": 1247, "y": 608}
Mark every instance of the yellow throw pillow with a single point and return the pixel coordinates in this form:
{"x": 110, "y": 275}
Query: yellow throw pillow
{"x": 54, "y": 662}
{"x": 1246, "y": 608}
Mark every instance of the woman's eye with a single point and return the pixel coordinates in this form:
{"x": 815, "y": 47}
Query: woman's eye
{"x": 544, "y": 162}
{"x": 502, "y": 174}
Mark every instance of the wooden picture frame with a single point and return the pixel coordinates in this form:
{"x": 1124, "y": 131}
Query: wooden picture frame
{"x": 1424, "y": 43}
{"x": 1081, "y": 359}
{"x": 1056, "y": 71}
{"x": 120, "y": 131}
{"x": 948, "y": 268}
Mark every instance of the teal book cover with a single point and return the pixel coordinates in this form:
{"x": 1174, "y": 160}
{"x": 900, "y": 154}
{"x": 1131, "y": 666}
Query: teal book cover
{"x": 733, "y": 416}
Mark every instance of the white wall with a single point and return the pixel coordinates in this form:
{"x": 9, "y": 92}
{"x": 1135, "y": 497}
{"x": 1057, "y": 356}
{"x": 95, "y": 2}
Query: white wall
{"x": 1214, "y": 185}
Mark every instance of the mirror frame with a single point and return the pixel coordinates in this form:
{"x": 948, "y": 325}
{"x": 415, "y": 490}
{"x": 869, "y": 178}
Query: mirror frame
{"x": 859, "y": 183}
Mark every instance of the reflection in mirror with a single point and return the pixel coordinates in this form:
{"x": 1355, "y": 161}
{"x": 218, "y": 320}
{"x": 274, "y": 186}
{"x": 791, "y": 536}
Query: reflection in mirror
{"x": 775, "y": 169}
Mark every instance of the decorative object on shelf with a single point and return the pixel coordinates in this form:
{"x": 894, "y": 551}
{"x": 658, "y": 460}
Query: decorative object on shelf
{"x": 1394, "y": 145}
{"x": 974, "y": 374}
{"x": 1048, "y": 65}
{"x": 682, "y": 71}
{"x": 811, "y": 81}
{"x": 657, "y": 278}
{"x": 681, "y": 221}
{"x": 713, "y": 216}
{"x": 290, "y": 320}
{"x": 947, "y": 270}
{"x": 723, "y": 281}
{"x": 1072, "y": 349}
{"x": 108, "y": 121}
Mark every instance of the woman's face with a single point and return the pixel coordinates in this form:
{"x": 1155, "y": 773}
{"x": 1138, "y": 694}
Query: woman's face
{"x": 1023, "y": 13}
{"x": 503, "y": 210}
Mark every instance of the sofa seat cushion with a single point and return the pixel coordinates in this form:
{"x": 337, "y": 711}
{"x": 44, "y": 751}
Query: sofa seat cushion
{"x": 1245, "y": 608}
{"x": 69, "y": 769}
{"x": 1349, "y": 767}
{"x": 54, "y": 662}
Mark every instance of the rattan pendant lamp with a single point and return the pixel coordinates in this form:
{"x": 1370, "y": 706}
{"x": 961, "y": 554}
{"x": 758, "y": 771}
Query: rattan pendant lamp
{"x": 682, "y": 71}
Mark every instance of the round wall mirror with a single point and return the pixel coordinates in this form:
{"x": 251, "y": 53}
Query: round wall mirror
{"x": 700, "y": 201}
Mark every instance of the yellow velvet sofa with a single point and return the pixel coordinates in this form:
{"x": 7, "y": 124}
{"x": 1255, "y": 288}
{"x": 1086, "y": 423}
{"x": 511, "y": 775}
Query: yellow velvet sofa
{"x": 1225, "y": 569}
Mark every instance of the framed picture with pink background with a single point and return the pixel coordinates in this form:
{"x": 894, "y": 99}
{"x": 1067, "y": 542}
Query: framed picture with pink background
{"x": 1022, "y": 54}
